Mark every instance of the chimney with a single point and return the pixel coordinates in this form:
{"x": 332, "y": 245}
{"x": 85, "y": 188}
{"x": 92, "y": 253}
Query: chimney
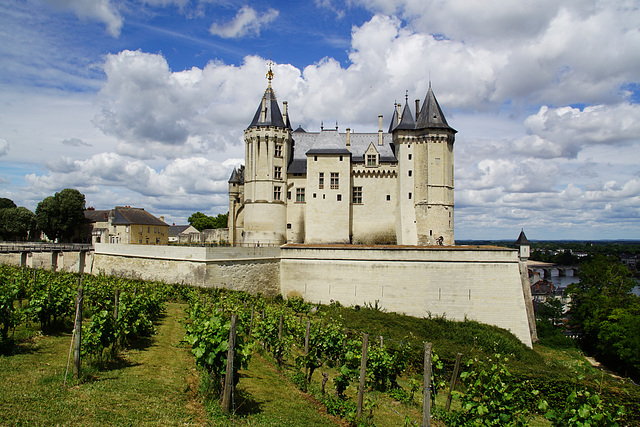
{"x": 349, "y": 139}
{"x": 263, "y": 114}
{"x": 380, "y": 129}
{"x": 162, "y": 218}
{"x": 417, "y": 109}
{"x": 285, "y": 106}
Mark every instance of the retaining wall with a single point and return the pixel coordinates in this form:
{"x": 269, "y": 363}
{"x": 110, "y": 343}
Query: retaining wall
{"x": 482, "y": 284}
{"x": 248, "y": 269}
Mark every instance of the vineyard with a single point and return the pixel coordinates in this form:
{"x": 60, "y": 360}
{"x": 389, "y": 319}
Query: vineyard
{"x": 359, "y": 365}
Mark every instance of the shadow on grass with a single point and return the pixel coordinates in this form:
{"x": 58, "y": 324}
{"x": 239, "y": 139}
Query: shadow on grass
{"x": 245, "y": 404}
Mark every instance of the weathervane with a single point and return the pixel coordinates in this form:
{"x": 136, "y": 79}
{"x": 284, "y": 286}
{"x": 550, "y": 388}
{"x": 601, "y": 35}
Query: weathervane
{"x": 270, "y": 72}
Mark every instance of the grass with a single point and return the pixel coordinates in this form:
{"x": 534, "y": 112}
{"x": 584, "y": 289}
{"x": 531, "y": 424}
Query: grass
{"x": 155, "y": 381}
{"x": 150, "y": 384}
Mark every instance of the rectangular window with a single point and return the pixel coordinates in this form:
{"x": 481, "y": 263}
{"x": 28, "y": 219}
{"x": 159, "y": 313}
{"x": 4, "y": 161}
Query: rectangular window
{"x": 409, "y": 195}
{"x": 388, "y": 197}
{"x": 372, "y": 160}
{"x": 289, "y": 226}
{"x": 278, "y": 150}
{"x": 357, "y": 195}
{"x": 277, "y": 192}
{"x": 409, "y": 173}
{"x": 409, "y": 156}
{"x": 277, "y": 172}
{"x": 321, "y": 180}
{"x": 299, "y": 194}
{"x": 288, "y": 195}
{"x": 339, "y": 197}
{"x": 335, "y": 180}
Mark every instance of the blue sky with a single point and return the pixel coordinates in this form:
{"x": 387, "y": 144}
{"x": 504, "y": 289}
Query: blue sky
{"x": 143, "y": 103}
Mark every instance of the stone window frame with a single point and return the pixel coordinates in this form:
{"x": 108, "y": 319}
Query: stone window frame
{"x": 357, "y": 196}
{"x": 300, "y": 195}
{"x": 277, "y": 192}
{"x": 278, "y": 150}
{"x": 321, "y": 180}
{"x": 335, "y": 181}
{"x": 372, "y": 160}
{"x": 277, "y": 172}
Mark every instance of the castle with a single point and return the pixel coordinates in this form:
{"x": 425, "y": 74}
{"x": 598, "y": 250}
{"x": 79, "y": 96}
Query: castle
{"x": 392, "y": 187}
{"x": 389, "y": 194}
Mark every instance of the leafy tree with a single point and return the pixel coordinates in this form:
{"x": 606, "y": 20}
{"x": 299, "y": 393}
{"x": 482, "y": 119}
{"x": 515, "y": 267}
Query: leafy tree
{"x": 201, "y": 221}
{"x": 6, "y": 203}
{"x": 17, "y": 223}
{"x": 607, "y": 314}
{"x": 60, "y": 216}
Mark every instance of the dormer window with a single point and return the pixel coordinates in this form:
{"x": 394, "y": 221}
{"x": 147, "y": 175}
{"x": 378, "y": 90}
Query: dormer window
{"x": 372, "y": 160}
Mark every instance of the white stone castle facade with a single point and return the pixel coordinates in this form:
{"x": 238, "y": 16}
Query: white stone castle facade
{"x": 392, "y": 187}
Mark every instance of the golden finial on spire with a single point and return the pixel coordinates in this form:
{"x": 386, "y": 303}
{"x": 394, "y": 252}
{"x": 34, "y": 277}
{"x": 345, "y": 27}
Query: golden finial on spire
{"x": 270, "y": 72}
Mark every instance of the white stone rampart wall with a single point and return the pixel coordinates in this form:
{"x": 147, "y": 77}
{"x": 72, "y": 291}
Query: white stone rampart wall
{"x": 63, "y": 261}
{"x": 476, "y": 284}
{"x": 248, "y": 269}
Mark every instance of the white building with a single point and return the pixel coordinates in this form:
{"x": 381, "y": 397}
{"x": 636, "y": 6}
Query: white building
{"x": 391, "y": 187}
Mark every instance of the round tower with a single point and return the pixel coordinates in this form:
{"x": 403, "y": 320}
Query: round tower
{"x": 424, "y": 149}
{"x": 267, "y": 146}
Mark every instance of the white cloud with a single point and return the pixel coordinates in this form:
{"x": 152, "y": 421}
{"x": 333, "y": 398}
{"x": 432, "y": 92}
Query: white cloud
{"x": 4, "y": 147}
{"x": 247, "y": 22}
{"x": 75, "y": 142}
{"x": 100, "y": 10}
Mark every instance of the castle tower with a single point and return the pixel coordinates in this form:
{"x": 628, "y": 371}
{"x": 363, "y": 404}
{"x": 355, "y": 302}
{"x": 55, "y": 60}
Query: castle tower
{"x": 267, "y": 147}
{"x": 424, "y": 149}
{"x": 236, "y": 196}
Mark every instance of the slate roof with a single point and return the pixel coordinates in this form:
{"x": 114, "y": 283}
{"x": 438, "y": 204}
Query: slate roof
{"x": 431, "y": 115}
{"x": 138, "y": 216}
{"x": 273, "y": 116}
{"x": 406, "y": 120}
{"x": 237, "y": 176}
{"x": 96, "y": 215}
{"x": 174, "y": 230}
{"x": 330, "y": 141}
{"x": 522, "y": 239}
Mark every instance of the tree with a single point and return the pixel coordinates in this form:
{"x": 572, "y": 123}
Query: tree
{"x": 201, "y": 221}
{"x": 17, "y": 223}
{"x": 607, "y": 314}
{"x": 60, "y": 216}
{"x": 6, "y": 203}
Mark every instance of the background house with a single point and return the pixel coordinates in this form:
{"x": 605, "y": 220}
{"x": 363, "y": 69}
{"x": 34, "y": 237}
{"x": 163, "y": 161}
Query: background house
{"x": 125, "y": 224}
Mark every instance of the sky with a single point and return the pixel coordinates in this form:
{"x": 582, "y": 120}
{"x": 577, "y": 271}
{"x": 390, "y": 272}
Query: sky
{"x": 144, "y": 102}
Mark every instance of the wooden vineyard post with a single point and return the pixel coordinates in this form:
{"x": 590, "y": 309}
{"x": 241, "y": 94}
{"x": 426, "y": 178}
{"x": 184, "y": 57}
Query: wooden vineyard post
{"x": 363, "y": 372}
{"x": 456, "y": 369}
{"x": 426, "y": 396}
{"x": 78, "y": 331}
{"x": 228, "y": 379}
{"x": 280, "y": 349}
{"x": 306, "y": 338}
{"x": 251, "y": 321}
{"x": 306, "y": 349}
{"x": 116, "y": 302}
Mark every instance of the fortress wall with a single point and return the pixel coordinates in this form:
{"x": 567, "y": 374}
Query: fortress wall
{"x": 480, "y": 284}
{"x": 64, "y": 261}
{"x": 246, "y": 269}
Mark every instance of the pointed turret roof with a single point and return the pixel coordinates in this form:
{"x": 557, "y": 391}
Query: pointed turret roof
{"x": 272, "y": 115}
{"x": 431, "y": 115}
{"x": 522, "y": 239}
{"x": 406, "y": 120}
{"x": 234, "y": 177}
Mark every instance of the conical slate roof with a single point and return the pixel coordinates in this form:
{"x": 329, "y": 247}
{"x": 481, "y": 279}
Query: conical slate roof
{"x": 272, "y": 116}
{"x": 406, "y": 120}
{"x": 522, "y": 239}
{"x": 431, "y": 115}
